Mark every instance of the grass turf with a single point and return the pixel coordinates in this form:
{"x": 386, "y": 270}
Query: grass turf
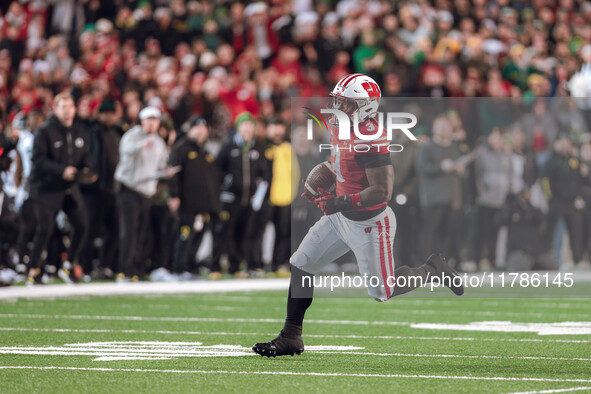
{"x": 388, "y": 363}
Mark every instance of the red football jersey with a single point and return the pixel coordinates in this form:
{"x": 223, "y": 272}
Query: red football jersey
{"x": 350, "y": 171}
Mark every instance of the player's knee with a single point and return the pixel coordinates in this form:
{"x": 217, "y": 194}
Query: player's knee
{"x": 299, "y": 260}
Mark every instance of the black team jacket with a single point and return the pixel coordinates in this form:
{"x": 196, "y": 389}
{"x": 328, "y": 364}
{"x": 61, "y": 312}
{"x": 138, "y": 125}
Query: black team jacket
{"x": 197, "y": 183}
{"x": 241, "y": 168}
{"x": 56, "y": 147}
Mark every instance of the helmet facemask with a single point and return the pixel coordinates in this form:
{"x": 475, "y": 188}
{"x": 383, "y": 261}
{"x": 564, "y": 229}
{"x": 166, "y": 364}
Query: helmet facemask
{"x": 350, "y": 106}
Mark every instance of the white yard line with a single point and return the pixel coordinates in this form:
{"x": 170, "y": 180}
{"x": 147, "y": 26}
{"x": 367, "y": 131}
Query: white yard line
{"x": 198, "y": 349}
{"x": 202, "y": 319}
{"x": 559, "y": 328}
{"x": 564, "y": 304}
{"x": 213, "y": 351}
{"x": 493, "y": 313}
{"x": 464, "y": 312}
{"x": 141, "y": 288}
{"x": 555, "y": 328}
{"x": 553, "y": 391}
{"x": 569, "y": 304}
{"x": 147, "y": 350}
{"x": 334, "y": 336}
{"x": 455, "y": 356}
{"x": 289, "y": 373}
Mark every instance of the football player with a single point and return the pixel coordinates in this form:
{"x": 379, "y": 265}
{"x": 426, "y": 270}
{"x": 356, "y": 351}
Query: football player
{"x": 357, "y": 218}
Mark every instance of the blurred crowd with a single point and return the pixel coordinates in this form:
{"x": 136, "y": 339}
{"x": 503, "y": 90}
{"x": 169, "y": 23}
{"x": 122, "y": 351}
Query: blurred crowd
{"x": 206, "y": 63}
{"x": 515, "y": 198}
{"x": 220, "y": 58}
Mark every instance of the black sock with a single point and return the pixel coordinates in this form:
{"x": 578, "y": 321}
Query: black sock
{"x": 411, "y": 276}
{"x": 298, "y": 300}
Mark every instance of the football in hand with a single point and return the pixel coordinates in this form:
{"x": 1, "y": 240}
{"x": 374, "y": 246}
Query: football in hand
{"x": 321, "y": 177}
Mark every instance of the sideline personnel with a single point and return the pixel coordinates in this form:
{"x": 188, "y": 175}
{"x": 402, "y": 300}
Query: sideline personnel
{"x": 59, "y": 152}
{"x": 142, "y": 153}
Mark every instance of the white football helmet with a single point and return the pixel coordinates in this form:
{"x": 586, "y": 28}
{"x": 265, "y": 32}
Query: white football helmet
{"x": 356, "y": 93}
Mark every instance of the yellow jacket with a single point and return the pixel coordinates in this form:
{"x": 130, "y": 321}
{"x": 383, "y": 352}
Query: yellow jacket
{"x": 286, "y": 173}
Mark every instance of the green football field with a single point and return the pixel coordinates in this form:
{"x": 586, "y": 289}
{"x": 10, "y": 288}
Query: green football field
{"x": 201, "y": 343}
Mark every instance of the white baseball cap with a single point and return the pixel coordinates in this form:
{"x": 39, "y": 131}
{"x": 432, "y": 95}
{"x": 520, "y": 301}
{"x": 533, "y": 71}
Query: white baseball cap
{"x": 150, "y": 112}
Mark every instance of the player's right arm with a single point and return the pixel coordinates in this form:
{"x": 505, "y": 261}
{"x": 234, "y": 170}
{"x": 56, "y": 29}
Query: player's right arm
{"x": 381, "y": 183}
{"x": 380, "y": 175}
